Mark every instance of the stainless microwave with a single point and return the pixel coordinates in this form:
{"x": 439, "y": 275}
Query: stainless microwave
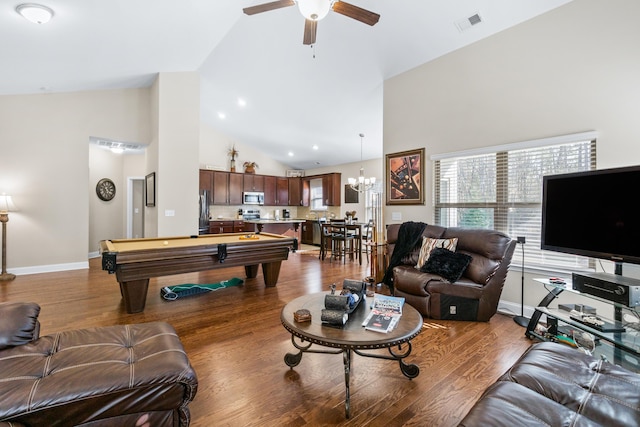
{"x": 253, "y": 198}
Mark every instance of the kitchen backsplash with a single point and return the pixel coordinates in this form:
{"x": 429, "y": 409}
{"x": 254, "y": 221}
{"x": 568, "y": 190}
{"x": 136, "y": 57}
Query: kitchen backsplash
{"x": 268, "y": 212}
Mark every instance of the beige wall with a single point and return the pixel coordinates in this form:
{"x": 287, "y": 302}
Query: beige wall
{"x": 214, "y": 153}
{"x": 348, "y": 170}
{"x": 45, "y": 167}
{"x": 573, "y": 69}
{"x": 178, "y": 147}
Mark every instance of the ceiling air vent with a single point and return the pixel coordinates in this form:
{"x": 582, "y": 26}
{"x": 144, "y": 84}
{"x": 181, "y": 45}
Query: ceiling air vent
{"x": 466, "y": 23}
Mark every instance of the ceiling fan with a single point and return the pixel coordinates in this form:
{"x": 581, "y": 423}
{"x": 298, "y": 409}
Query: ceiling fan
{"x": 315, "y": 10}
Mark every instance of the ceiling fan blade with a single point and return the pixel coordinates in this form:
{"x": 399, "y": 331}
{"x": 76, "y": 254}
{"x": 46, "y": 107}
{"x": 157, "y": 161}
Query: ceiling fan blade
{"x": 310, "y": 30}
{"x": 265, "y": 7}
{"x": 355, "y": 12}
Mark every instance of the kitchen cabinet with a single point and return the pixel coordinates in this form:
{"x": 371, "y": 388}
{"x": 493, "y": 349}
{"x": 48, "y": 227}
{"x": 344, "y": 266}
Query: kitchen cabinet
{"x": 226, "y": 188}
{"x": 236, "y": 182}
{"x": 206, "y": 180}
{"x": 331, "y": 188}
{"x": 295, "y": 191}
{"x": 282, "y": 191}
{"x": 307, "y": 232}
{"x": 253, "y": 182}
{"x": 226, "y": 226}
{"x": 220, "y": 226}
{"x": 270, "y": 191}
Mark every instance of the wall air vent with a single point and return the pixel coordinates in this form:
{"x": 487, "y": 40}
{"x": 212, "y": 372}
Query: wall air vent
{"x": 466, "y": 23}
{"x": 117, "y": 145}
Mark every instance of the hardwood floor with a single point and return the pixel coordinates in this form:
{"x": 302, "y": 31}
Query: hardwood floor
{"x": 236, "y": 344}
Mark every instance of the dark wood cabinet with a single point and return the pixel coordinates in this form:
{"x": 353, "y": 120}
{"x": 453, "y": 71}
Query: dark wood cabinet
{"x": 219, "y": 227}
{"x": 307, "y": 232}
{"x": 295, "y": 191}
{"x": 225, "y": 187}
{"x": 331, "y": 188}
{"x": 236, "y": 182}
{"x": 253, "y": 182}
{"x": 220, "y": 193}
{"x": 206, "y": 180}
{"x": 270, "y": 187}
{"x": 282, "y": 191}
{"x": 226, "y": 226}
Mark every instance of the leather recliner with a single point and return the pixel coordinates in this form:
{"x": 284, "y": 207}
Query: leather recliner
{"x": 475, "y": 296}
{"x": 115, "y": 375}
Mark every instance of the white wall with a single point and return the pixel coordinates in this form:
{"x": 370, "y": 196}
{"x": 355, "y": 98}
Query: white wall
{"x": 572, "y": 69}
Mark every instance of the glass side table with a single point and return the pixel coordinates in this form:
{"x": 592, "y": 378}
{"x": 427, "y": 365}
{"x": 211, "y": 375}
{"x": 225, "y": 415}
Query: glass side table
{"x": 625, "y": 343}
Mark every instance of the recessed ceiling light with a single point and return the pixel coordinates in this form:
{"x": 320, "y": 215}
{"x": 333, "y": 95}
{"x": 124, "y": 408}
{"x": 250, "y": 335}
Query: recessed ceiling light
{"x": 315, "y": 147}
{"x": 242, "y": 102}
{"x": 36, "y": 13}
{"x": 222, "y": 116}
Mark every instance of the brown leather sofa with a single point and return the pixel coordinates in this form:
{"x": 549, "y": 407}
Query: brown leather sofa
{"x": 555, "y": 385}
{"x": 127, "y": 375}
{"x": 475, "y": 296}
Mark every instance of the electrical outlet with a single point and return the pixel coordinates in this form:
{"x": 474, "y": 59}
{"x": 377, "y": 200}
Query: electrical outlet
{"x": 521, "y": 239}
{"x": 453, "y": 309}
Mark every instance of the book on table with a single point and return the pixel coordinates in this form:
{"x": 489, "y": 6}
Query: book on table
{"x": 385, "y": 313}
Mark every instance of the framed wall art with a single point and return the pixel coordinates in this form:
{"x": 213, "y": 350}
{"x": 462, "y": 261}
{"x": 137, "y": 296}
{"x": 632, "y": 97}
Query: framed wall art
{"x": 405, "y": 177}
{"x": 350, "y": 195}
{"x": 150, "y": 189}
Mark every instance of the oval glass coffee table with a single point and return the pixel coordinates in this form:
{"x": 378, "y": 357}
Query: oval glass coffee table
{"x": 352, "y": 338}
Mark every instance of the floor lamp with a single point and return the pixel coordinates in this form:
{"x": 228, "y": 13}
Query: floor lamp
{"x": 521, "y": 320}
{"x": 6, "y": 206}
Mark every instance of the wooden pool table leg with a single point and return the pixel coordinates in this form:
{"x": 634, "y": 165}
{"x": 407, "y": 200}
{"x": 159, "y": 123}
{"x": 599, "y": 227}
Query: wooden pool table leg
{"x": 251, "y": 270}
{"x": 271, "y": 271}
{"x": 134, "y": 293}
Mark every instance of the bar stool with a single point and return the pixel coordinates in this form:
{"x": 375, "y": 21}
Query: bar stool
{"x": 342, "y": 242}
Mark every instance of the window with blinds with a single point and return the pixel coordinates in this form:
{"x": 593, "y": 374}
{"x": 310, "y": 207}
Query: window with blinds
{"x": 502, "y": 190}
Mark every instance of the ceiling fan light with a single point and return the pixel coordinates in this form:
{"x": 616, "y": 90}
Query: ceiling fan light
{"x": 315, "y": 10}
{"x": 36, "y": 13}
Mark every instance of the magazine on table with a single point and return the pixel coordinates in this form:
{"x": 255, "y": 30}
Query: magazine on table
{"x": 385, "y": 313}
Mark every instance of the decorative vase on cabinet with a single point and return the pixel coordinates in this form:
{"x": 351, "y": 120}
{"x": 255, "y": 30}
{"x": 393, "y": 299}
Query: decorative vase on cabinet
{"x": 250, "y": 167}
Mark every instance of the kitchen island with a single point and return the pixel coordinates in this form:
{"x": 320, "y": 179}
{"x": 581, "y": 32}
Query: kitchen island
{"x": 286, "y": 227}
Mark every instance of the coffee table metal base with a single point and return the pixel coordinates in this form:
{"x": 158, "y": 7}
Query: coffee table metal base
{"x": 351, "y": 338}
{"x": 403, "y": 350}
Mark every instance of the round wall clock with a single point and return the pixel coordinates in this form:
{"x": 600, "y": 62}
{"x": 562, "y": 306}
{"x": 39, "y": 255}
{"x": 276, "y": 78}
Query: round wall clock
{"x": 106, "y": 189}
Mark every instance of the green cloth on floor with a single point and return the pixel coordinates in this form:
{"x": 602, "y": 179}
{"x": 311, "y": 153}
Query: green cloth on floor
{"x": 172, "y": 293}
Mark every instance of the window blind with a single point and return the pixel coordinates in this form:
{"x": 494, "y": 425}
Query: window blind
{"x": 502, "y": 190}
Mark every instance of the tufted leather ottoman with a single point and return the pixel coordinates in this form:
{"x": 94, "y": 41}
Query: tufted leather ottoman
{"x": 116, "y": 376}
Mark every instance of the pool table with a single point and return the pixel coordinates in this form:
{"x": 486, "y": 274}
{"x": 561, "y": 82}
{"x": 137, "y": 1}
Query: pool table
{"x": 134, "y": 261}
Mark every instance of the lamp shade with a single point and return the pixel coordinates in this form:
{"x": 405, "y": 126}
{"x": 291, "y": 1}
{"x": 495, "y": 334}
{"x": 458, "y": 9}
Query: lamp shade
{"x": 6, "y": 204}
{"x": 314, "y": 10}
{"x": 36, "y": 13}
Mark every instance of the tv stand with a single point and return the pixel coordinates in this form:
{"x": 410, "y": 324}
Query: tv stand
{"x": 560, "y": 320}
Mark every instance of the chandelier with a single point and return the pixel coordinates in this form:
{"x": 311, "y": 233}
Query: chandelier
{"x": 362, "y": 184}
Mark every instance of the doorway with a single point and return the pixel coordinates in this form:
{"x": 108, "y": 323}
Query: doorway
{"x": 135, "y": 207}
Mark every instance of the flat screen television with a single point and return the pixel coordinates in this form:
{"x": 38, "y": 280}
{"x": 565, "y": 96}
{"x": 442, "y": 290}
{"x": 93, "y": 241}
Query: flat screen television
{"x": 594, "y": 213}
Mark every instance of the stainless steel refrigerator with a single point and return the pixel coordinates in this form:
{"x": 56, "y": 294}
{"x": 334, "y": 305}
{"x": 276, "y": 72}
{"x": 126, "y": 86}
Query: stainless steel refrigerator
{"x": 205, "y": 199}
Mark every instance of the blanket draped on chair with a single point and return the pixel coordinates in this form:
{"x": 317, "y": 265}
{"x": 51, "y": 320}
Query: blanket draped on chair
{"x": 409, "y": 236}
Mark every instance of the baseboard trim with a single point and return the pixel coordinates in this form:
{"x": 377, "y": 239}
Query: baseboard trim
{"x": 52, "y": 268}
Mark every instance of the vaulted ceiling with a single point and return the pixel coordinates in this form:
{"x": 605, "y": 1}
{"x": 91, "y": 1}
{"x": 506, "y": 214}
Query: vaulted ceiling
{"x": 296, "y": 96}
